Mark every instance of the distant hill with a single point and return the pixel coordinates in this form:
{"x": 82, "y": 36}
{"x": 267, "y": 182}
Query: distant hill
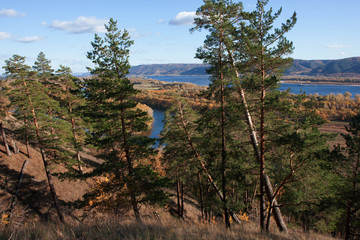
{"x": 335, "y": 68}
{"x": 169, "y": 69}
{"x": 340, "y": 67}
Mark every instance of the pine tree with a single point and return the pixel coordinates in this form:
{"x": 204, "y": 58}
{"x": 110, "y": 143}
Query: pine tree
{"x": 4, "y": 105}
{"x": 177, "y": 156}
{"x": 217, "y": 18}
{"x": 117, "y": 124}
{"x": 349, "y": 171}
{"x": 67, "y": 92}
{"x": 32, "y": 103}
{"x": 183, "y": 145}
{"x": 43, "y": 68}
{"x": 257, "y": 53}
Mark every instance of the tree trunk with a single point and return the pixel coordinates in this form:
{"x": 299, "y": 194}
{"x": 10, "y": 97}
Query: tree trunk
{"x": 52, "y": 188}
{"x": 4, "y": 139}
{"x": 182, "y": 200}
{"x": 198, "y": 157}
{"x": 79, "y": 161}
{"x": 347, "y": 223}
{"x": 223, "y": 133}
{"x": 253, "y": 136}
{"x": 27, "y": 138}
{"x": 178, "y": 196}
{"x": 276, "y": 209}
{"x": 43, "y": 155}
{"x": 15, "y": 148}
{"x": 130, "y": 182}
{"x": 201, "y": 196}
{"x": 75, "y": 139}
{"x": 18, "y": 186}
{"x": 262, "y": 161}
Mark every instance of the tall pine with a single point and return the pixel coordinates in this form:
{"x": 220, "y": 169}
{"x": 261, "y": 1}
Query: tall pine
{"x": 32, "y": 104}
{"x": 217, "y": 17}
{"x": 117, "y": 126}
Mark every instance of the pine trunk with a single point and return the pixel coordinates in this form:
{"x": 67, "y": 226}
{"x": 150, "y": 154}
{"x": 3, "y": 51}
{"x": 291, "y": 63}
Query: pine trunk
{"x": 15, "y": 147}
{"x": 253, "y": 137}
{"x": 4, "y": 139}
{"x": 276, "y": 209}
{"x": 198, "y": 157}
{"x": 75, "y": 139}
{"x": 130, "y": 166}
{"x": 201, "y": 196}
{"x": 43, "y": 155}
{"x": 262, "y": 162}
{"x": 178, "y": 196}
{"x": 223, "y": 140}
{"x": 18, "y": 186}
{"x": 182, "y": 200}
{"x": 79, "y": 161}
{"x": 347, "y": 223}
{"x": 52, "y": 188}
{"x": 27, "y": 138}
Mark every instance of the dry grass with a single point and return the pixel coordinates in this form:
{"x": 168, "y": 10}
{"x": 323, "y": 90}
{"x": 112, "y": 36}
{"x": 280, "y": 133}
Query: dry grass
{"x": 148, "y": 230}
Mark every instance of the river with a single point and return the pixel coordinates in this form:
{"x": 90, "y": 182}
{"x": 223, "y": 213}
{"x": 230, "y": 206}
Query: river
{"x": 321, "y": 89}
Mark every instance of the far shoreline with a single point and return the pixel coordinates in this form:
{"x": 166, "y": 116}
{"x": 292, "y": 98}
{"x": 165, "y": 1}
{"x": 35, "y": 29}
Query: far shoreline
{"x": 319, "y": 83}
{"x": 345, "y": 81}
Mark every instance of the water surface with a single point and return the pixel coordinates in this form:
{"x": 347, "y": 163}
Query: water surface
{"x": 321, "y": 89}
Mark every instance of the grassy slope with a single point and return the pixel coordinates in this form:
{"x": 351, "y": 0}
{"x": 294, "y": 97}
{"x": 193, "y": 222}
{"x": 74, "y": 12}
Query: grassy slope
{"x": 34, "y": 207}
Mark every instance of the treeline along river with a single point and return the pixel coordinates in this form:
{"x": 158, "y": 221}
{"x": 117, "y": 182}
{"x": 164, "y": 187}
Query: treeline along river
{"x": 321, "y": 89}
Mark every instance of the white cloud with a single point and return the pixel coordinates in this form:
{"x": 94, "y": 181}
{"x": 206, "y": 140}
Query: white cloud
{"x": 81, "y": 25}
{"x": 161, "y": 21}
{"x": 134, "y": 34}
{"x": 183, "y": 18}
{"x": 337, "y": 46}
{"x": 5, "y": 35}
{"x": 10, "y": 13}
{"x": 341, "y": 53}
{"x": 30, "y": 39}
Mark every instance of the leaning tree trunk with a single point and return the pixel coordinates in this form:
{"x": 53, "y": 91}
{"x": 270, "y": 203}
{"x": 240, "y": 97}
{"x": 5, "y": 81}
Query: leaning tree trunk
{"x": 253, "y": 136}
{"x": 201, "y": 197}
{"x": 43, "y": 155}
{"x": 18, "y": 186}
{"x": 4, "y": 139}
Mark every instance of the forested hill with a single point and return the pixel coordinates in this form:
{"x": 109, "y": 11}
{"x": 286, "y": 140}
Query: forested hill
{"x": 340, "y": 67}
{"x": 169, "y": 69}
{"x": 346, "y": 66}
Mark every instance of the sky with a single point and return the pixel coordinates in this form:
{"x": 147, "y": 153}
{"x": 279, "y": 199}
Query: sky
{"x": 63, "y": 30}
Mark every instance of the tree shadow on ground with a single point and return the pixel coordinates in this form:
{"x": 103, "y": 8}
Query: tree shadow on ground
{"x": 33, "y": 195}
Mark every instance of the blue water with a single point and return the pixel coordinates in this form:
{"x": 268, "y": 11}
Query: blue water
{"x": 198, "y": 80}
{"x": 321, "y": 89}
{"x": 158, "y": 117}
{"x": 204, "y": 81}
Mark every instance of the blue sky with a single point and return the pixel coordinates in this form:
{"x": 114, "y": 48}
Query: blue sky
{"x": 63, "y": 30}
